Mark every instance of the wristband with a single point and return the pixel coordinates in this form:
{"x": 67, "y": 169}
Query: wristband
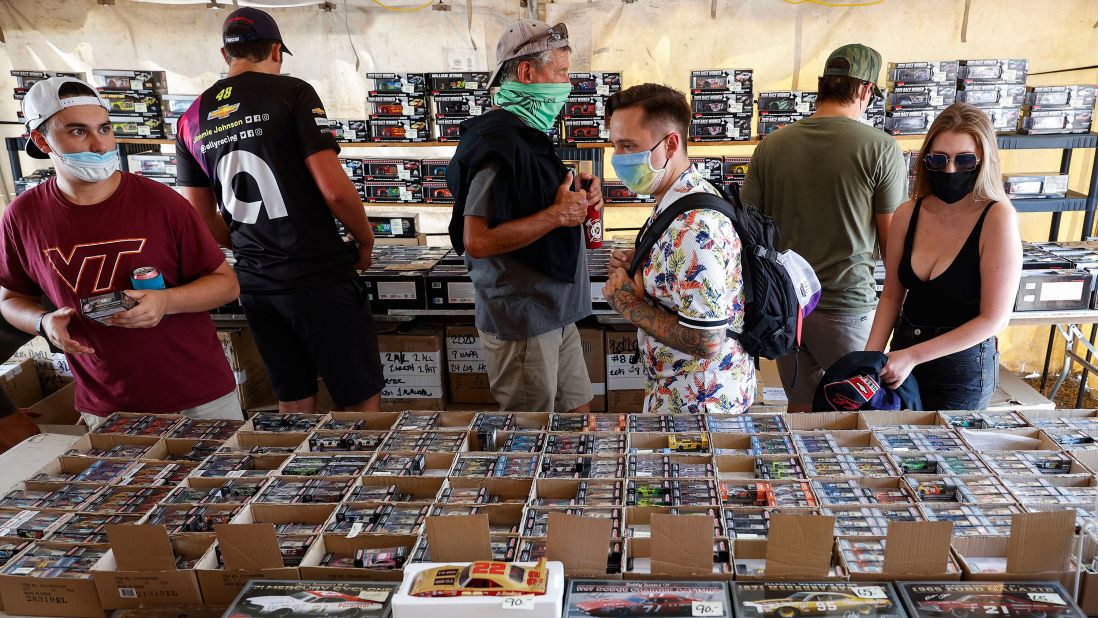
{"x": 38, "y": 324}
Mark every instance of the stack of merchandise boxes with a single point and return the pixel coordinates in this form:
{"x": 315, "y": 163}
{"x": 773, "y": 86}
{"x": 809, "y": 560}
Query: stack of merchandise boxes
{"x": 433, "y": 173}
{"x": 174, "y": 106}
{"x": 451, "y": 105}
{"x": 997, "y": 86}
{"x": 397, "y": 112}
{"x": 25, "y": 79}
{"x": 721, "y": 105}
{"x": 874, "y": 115}
{"x": 917, "y": 93}
{"x": 585, "y": 111}
{"x": 1058, "y": 109}
{"x": 395, "y": 92}
{"x": 388, "y": 180}
{"x": 134, "y": 101}
{"x": 777, "y": 109}
{"x": 456, "y": 92}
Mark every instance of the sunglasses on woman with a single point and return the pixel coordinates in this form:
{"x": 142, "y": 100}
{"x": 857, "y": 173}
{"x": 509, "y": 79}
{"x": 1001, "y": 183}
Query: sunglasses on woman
{"x": 963, "y": 162}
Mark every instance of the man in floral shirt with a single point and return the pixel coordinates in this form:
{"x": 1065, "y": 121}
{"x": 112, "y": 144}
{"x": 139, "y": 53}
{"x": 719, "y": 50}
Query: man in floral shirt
{"x": 690, "y": 290}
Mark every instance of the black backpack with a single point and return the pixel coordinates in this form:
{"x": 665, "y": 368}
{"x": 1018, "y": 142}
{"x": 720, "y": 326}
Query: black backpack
{"x": 771, "y": 309}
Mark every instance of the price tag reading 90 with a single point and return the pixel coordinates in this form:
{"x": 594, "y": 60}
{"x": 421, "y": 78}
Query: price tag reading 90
{"x": 524, "y": 603}
{"x": 711, "y": 609}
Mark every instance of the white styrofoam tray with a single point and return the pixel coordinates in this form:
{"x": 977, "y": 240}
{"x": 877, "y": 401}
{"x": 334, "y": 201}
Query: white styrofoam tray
{"x": 549, "y": 605}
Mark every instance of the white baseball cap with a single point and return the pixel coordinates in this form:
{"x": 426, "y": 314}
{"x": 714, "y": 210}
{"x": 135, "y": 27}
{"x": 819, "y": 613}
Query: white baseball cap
{"x": 43, "y": 101}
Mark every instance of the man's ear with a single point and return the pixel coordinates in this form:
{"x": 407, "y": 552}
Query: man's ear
{"x": 674, "y": 143}
{"x": 39, "y": 140}
{"x": 276, "y": 53}
{"x": 225, "y": 55}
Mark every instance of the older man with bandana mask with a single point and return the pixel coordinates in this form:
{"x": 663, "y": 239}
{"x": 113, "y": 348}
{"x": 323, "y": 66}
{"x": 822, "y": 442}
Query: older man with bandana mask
{"x": 518, "y": 218}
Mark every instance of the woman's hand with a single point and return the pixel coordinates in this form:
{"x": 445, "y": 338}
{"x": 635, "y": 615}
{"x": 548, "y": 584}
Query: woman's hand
{"x": 899, "y": 366}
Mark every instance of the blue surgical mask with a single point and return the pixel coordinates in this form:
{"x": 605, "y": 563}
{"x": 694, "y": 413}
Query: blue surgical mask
{"x": 87, "y": 166}
{"x": 636, "y": 172}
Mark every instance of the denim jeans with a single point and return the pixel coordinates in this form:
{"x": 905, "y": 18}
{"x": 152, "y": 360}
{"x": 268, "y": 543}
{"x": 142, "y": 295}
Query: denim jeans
{"x": 964, "y": 380}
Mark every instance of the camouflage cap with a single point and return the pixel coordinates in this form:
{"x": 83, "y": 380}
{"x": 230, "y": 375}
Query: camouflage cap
{"x": 857, "y": 61}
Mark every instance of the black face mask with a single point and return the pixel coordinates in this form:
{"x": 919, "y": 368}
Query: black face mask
{"x": 951, "y": 188}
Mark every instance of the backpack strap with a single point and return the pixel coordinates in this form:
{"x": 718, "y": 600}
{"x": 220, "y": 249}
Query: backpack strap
{"x": 651, "y": 233}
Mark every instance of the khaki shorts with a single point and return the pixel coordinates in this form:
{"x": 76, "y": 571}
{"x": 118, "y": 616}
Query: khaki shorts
{"x": 546, "y": 373}
{"x": 825, "y": 338}
{"x": 226, "y": 407}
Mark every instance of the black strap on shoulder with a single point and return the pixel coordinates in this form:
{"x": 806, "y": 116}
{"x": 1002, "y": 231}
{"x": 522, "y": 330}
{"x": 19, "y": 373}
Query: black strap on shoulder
{"x": 650, "y": 234}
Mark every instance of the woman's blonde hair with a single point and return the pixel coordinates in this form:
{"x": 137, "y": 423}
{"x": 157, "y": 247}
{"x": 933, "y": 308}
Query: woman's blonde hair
{"x": 970, "y": 120}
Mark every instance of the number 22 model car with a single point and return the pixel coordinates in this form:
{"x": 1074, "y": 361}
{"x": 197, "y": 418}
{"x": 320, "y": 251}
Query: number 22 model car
{"x": 482, "y": 578}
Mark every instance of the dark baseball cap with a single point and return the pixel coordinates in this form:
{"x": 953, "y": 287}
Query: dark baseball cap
{"x": 857, "y": 61}
{"x": 525, "y": 37}
{"x": 251, "y": 24}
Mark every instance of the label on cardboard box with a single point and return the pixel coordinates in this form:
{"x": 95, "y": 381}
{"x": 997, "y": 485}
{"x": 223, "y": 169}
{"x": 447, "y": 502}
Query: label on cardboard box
{"x": 468, "y": 367}
{"x": 623, "y": 375}
{"x": 396, "y": 290}
{"x": 413, "y": 380}
{"x": 412, "y": 392}
{"x": 1061, "y": 290}
{"x": 460, "y": 292}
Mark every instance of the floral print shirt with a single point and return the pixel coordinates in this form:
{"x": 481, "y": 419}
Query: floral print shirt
{"x": 695, "y": 272}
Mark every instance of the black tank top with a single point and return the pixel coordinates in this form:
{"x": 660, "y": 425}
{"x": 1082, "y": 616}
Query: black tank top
{"x": 953, "y": 297}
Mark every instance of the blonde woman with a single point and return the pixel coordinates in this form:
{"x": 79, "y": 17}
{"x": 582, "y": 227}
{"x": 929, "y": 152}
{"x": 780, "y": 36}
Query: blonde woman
{"x": 953, "y": 264}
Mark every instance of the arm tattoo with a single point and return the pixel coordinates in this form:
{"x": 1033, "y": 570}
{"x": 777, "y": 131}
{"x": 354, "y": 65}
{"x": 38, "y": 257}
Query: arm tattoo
{"x": 665, "y": 327}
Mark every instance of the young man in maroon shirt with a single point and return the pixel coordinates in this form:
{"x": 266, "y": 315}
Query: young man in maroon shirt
{"x": 84, "y": 233}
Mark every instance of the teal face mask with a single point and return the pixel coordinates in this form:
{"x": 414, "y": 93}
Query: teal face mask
{"x": 537, "y": 104}
{"x": 636, "y": 172}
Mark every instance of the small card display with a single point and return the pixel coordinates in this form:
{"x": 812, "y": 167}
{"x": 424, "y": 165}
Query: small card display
{"x": 649, "y": 598}
{"x": 312, "y": 598}
{"x": 823, "y": 599}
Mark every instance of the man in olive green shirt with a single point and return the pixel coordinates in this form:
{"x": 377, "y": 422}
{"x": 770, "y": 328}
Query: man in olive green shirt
{"x": 831, "y": 183}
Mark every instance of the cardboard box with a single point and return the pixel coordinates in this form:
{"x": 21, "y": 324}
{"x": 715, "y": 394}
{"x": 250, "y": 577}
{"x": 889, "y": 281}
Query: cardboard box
{"x": 252, "y": 385}
{"x": 412, "y": 363}
{"x": 1088, "y": 585}
{"x": 57, "y": 412}
{"x": 140, "y": 569}
{"x": 913, "y": 551}
{"x": 1014, "y": 393}
{"x": 594, "y": 354}
{"x": 344, "y": 546}
{"x": 250, "y": 552}
{"x": 624, "y": 377}
{"x": 468, "y": 374}
{"x": 20, "y": 381}
{"x": 770, "y": 390}
{"x": 40, "y": 596}
{"x": 1039, "y": 548}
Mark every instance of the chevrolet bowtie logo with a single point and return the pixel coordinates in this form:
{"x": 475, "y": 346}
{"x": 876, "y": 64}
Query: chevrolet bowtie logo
{"x": 223, "y": 112}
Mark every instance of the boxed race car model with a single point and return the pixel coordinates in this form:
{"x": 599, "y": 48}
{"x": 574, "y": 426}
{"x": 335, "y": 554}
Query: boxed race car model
{"x": 152, "y": 163}
{"x": 1061, "y": 97}
{"x": 176, "y": 105}
{"x": 721, "y": 80}
{"x": 25, "y": 79}
{"x": 352, "y": 167}
{"x": 910, "y": 121}
{"x": 119, "y": 79}
{"x": 397, "y": 106}
{"x": 772, "y": 122}
{"x": 102, "y": 306}
{"x": 932, "y": 72}
{"x": 992, "y": 95}
{"x": 976, "y": 599}
{"x": 585, "y": 107}
{"x": 1035, "y": 185}
{"x": 720, "y": 103}
{"x": 435, "y": 192}
{"x": 434, "y": 169}
{"x": 457, "y": 82}
{"x": 398, "y": 130}
{"x": 1053, "y": 121}
{"x": 460, "y": 105}
{"x": 731, "y": 128}
{"x": 396, "y": 83}
{"x": 994, "y": 70}
{"x": 601, "y": 83}
{"x": 392, "y": 191}
{"x": 711, "y": 168}
{"x": 130, "y": 102}
{"x": 447, "y": 129}
{"x": 390, "y": 169}
{"x": 348, "y": 130}
{"x": 137, "y": 125}
{"x": 589, "y": 597}
{"x": 262, "y": 598}
{"x": 1049, "y": 290}
{"x": 585, "y": 130}
{"x": 787, "y": 102}
{"x": 820, "y": 599}
{"x": 1004, "y": 119}
{"x": 921, "y": 95}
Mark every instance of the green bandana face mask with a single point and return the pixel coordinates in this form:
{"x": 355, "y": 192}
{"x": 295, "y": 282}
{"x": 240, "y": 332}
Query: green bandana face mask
{"x": 537, "y": 104}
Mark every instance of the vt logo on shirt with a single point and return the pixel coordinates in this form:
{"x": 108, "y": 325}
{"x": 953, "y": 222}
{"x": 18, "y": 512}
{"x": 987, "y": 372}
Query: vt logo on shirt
{"x": 96, "y": 262}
